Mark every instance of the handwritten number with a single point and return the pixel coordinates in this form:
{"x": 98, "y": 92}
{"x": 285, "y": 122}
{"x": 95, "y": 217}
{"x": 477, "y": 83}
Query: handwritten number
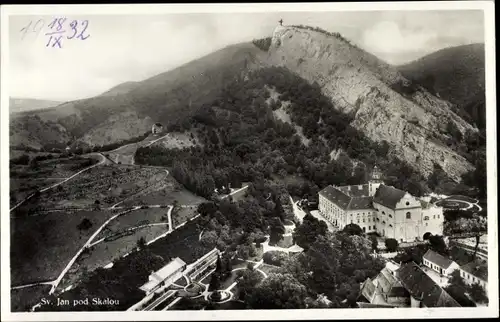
{"x": 60, "y": 23}
{"x": 81, "y": 36}
{"x": 25, "y": 29}
{"x": 34, "y": 29}
{"x": 41, "y": 27}
{"x": 73, "y": 25}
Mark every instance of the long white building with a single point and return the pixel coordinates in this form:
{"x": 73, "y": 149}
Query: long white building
{"x": 375, "y": 207}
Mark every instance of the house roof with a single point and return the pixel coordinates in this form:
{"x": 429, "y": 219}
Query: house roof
{"x": 478, "y": 268}
{"x": 348, "y": 197}
{"x": 162, "y": 274}
{"x": 368, "y": 289}
{"x": 388, "y": 196}
{"x": 362, "y": 190}
{"x": 336, "y": 196}
{"x": 423, "y": 288}
{"x": 438, "y": 259}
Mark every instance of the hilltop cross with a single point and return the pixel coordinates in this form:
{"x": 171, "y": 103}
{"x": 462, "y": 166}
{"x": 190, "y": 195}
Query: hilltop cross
{"x": 281, "y": 22}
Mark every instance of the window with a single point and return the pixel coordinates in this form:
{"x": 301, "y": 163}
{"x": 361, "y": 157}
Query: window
{"x": 426, "y": 218}
{"x": 390, "y": 216}
{"x": 358, "y": 221}
{"x": 369, "y": 227}
{"x": 434, "y": 217}
{"x": 427, "y": 224}
{"x": 363, "y": 219}
{"x": 383, "y": 212}
{"x": 408, "y": 215}
{"x": 407, "y": 203}
{"x": 438, "y": 216}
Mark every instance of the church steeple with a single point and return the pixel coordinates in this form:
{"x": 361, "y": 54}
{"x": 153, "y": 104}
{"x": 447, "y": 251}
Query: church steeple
{"x": 375, "y": 180}
{"x": 376, "y": 174}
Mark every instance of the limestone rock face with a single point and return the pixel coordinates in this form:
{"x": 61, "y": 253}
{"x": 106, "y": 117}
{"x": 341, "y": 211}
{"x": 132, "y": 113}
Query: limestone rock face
{"x": 385, "y": 105}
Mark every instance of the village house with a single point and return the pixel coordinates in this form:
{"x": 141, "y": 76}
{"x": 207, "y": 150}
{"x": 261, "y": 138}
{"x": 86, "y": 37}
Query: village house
{"x": 164, "y": 277}
{"x": 156, "y": 128}
{"x": 439, "y": 263}
{"x": 404, "y": 285}
{"x": 375, "y": 207}
{"x": 476, "y": 272}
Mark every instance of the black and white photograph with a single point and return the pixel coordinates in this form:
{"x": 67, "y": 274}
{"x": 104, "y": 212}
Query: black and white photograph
{"x": 259, "y": 160}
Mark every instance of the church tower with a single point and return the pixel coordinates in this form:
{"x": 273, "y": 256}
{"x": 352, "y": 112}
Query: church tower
{"x": 375, "y": 181}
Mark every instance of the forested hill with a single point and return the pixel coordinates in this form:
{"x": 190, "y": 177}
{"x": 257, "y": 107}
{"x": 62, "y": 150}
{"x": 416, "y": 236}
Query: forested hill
{"x": 457, "y": 75}
{"x": 244, "y": 140}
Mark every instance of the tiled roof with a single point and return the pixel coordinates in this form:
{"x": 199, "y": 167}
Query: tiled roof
{"x": 438, "y": 259}
{"x": 368, "y": 289}
{"x": 478, "y": 268}
{"x": 361, "y": 203}
{"x": 362, "y": 190}
{"x": 423, "y": 288}
{"x": 388, "y": 196}
{"x": 345, "y": 201}
{"x": 336, "y": 196}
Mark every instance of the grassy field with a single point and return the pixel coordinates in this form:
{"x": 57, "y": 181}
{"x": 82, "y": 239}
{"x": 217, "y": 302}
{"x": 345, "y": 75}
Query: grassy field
{"x": 133, "y": 219}
{"x": 107, "y": 184}
{"x": 108, "y": 251}
{"x": 42, "y": 245}
{"x": 180, "y": 215}
{"x": 22, "y": 300}
{"x": 26, "y": 179}
{"x": 165, "y": 193}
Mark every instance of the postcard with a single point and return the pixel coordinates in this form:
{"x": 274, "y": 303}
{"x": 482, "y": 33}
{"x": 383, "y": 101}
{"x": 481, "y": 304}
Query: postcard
{"x": 249, "y": 161}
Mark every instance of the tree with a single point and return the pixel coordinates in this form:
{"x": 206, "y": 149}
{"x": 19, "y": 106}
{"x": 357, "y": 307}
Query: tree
{"x": 141, "y": 243}
{"x": 85, "y": 224}
{"x": 277, "y": 291}
{"x": 477, "y": 293}
{"x": 391, "y": 244}
{"x": 478, "y": 226}
{"x": 306, "y": 232}
{"x": 214, "y": 282}
{"x": 352, "y": 229}
{"x": 277, "y": 230}
{"x": 438, "y": 244}
{"x": 457, "y": 288}
{"x": 249, "y": 279}
{"x": 374, "y": 242}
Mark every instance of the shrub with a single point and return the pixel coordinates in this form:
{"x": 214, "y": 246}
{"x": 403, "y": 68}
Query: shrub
{"x": 275, "y": 258}
{"x": 391, "y": 244}
{"x": 263, "y": 44}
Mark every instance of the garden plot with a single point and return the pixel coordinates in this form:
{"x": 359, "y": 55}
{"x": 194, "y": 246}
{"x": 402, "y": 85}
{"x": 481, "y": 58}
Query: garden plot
{"x": 41, "y": 246}
{"x": 109, "y": 250}
{"x": 101, "y": 186}
{"x": 26, "y": 179}
{"x": 166, "y": 192}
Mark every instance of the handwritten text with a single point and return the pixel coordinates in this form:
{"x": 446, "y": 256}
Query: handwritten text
{"x": 58, "y": 29}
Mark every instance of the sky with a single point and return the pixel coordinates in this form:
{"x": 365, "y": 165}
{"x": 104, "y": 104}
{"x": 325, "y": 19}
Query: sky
{"x": 118, "y": 48}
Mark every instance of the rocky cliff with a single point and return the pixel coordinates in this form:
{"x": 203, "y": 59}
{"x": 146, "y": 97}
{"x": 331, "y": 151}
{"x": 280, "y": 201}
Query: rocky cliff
{"x": 384, "y": 104}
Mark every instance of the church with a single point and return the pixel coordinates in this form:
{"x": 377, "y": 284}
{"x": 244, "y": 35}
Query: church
{"x": 376, "y": 207}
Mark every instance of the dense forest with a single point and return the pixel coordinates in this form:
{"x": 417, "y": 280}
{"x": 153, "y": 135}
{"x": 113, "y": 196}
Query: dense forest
{"x": 243, "y": 141}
